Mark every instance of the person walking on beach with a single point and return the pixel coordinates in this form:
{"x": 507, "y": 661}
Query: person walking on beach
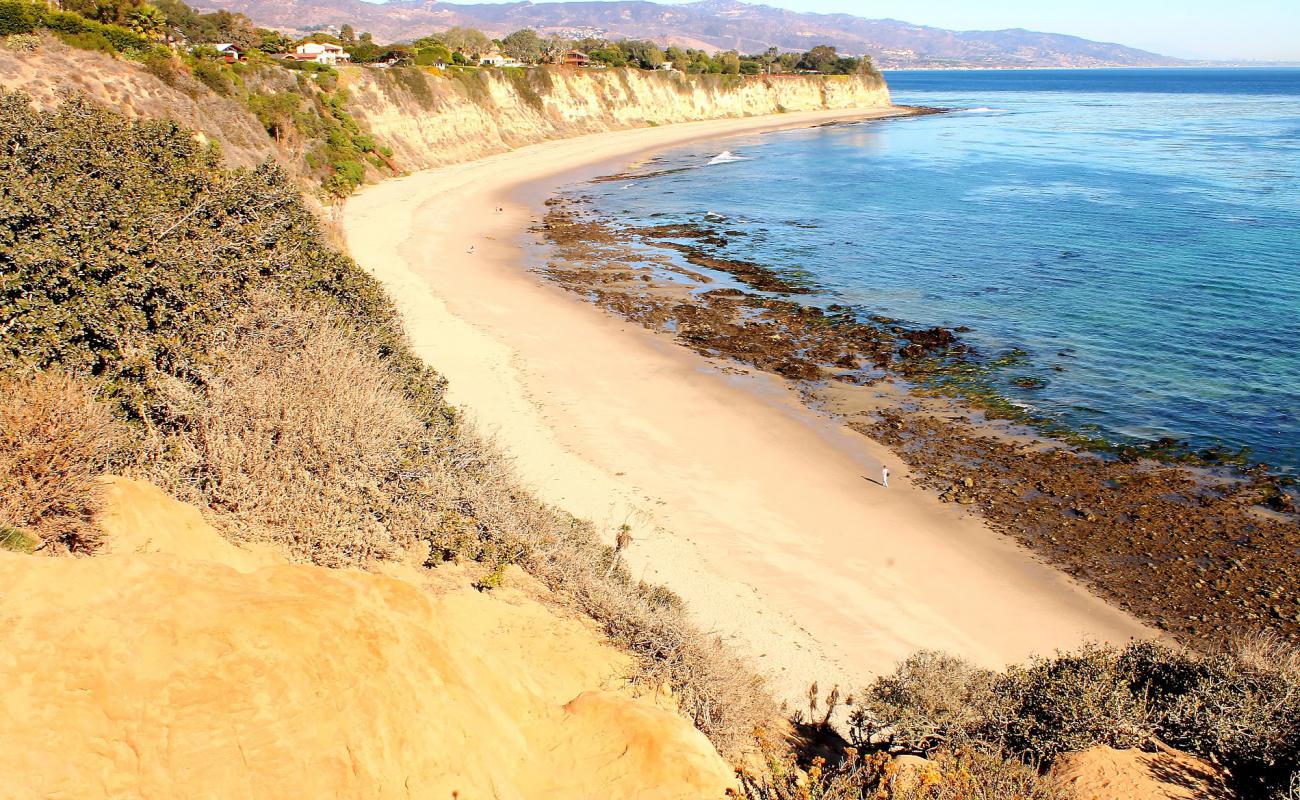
{"x": 884, "y": 476}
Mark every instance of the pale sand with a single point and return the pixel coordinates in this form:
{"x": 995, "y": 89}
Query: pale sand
{"x": 753, "y": 508}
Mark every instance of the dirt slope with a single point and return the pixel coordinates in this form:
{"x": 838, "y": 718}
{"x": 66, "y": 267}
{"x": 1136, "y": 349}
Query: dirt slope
{"x": 1103, "y": 773}
{"x": 179, "y": 666}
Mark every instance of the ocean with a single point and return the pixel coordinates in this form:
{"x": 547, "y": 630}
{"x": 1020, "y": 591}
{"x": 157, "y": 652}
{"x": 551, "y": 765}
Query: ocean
{"x": 1136, "y": 232}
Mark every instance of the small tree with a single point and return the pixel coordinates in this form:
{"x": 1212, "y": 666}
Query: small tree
{"x": 554, "y": 46}
{"x": 273, "y": 41}
{"x": 821, "y": 58}
{"x": 646, "y": 55}
{"x": 434, "y": 54}
{"x": 466, "y": 41}
{"x": 730, "y": 61}
{"x": 524, "y": 45}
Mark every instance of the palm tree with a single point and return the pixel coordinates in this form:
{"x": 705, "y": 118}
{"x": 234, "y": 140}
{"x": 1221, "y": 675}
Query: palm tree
{"x": 148, "y": 21}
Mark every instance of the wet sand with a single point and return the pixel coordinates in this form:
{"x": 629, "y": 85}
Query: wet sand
{"x": 764, "y": 516}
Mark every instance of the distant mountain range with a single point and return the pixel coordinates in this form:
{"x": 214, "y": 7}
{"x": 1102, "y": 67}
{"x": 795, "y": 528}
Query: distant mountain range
{"x": 709, "y": 24}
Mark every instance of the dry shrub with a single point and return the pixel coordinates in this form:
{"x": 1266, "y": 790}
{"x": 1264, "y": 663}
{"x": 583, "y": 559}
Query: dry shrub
{"x": 1239, "y": 706}
{"x": 273, "y": 382}
{"x": 956, "y": 773}
{"x": 713, "y": 686}
{"x": 55, "y": 439}
{"x": 301, "y": 436}
{"x": 1069, "y": 702}
{"x": 932, "y": 699}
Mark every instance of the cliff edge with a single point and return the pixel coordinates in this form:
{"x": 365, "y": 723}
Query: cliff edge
{"x": 414, "y": 118}
{"x": 178, "y": 665}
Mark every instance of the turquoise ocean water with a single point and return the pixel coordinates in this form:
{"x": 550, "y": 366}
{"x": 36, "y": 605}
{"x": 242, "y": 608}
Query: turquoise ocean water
{"x": 1137, "y": 232}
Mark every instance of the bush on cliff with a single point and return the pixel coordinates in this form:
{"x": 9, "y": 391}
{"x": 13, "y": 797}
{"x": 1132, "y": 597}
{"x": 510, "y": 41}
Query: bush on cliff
{"x": 957, "y": 772}
{"x": 123, "y": 244}
{"x": 1239, "y": 708}
{"x": 21, "y": 16}
{"x": 55, "y": 439}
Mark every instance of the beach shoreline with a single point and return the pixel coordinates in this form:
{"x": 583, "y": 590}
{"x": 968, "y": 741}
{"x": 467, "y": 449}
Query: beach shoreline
{"x": 761, "y": 513}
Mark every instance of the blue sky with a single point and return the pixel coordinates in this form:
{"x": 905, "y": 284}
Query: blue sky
{"x": 1218, "y": 29}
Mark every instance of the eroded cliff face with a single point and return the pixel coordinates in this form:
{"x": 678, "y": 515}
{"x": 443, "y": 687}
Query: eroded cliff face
{"x": 430, "y": 119}
{"x": 426, "y": 117}
{"x": 178, "y": 665}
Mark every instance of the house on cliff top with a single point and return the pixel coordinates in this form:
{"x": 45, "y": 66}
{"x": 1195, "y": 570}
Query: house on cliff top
{"x": 495, "y": 59}
{"x": 230, "y": 52}
{"x": 320, "y": 52}
{"x": 575, "y": 58}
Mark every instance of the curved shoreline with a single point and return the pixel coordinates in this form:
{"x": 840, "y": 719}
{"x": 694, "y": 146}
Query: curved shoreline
{"x": 751, "y": 506}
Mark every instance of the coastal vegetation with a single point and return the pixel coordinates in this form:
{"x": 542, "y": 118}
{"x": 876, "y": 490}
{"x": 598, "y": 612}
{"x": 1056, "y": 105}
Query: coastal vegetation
{"x": 994, "y": 734}
{"x": 169, "y": 317}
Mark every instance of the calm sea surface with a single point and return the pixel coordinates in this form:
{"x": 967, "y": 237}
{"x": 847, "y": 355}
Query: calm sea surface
{"x": 1136, "y": 231}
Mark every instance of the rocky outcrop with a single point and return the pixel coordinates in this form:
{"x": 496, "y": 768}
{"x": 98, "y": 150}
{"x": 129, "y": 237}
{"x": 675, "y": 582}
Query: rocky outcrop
{"x": 430, "y": 119}
{"x": 178, "y": 665}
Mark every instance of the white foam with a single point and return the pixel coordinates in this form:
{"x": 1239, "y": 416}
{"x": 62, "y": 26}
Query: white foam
{"x": 726, "y": 157}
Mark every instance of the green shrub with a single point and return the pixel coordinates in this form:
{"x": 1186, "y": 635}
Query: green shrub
{"x": 165, "y": 66}
{"x": 87, "y": 40}
{"x": 473, "y": 83}
{"x": 121, "y": 39}
{"x": 414, "y": 81}
{"x": 21, "y": 42}
{"x": 526, "y": 86}
{"x": 1070, "y": 702}
{"x": 276, "y": 111}
{"x": 213, "y": 76}
{"x": 346, "y": 177}
{"x": 309, "y": 67}
{"x": 123, "y": 244}
{"x": 15, "y": 541}
{"x": 18, "y": 16}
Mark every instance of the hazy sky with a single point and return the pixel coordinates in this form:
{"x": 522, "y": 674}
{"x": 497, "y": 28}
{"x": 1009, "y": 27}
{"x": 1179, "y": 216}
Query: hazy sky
{"x": 1218, "y": 29}
{"x": 1256, "y": 29}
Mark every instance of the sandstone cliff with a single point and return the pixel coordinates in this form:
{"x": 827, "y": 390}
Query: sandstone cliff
{"x": 426, "y": 117}
{"x": 430, "y": 119}
{"x": 177, "y": 665}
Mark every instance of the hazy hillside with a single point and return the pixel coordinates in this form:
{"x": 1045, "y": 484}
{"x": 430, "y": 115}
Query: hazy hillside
{"x": 722, "y": 24}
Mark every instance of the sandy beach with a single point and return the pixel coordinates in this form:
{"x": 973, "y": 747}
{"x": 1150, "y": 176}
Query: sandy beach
{"x": 762, "y": 514}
